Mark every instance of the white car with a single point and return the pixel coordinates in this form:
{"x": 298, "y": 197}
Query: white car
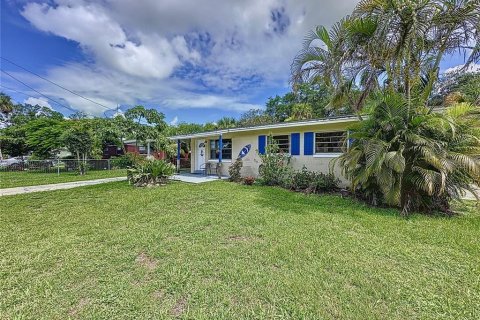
{"x": 10, "y": 161}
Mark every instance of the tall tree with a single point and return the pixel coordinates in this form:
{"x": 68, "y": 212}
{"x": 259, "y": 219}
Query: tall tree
{"x": 145, "y": 123}
{"x": 400, "y": 42}
{"x": 6, "y": 108}
{"x": 255, "y": 117}
{"x": 43, "y": 136}
{"x": 226, "y": 122}
{"x": 80, "y": 140}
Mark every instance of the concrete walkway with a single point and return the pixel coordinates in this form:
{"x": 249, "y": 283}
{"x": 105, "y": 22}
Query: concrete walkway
{"x": 470, "y": 196}
{"x": 190, "y": 178}
{"x": 195, "y": 178}
{"x": 57, "y": 186}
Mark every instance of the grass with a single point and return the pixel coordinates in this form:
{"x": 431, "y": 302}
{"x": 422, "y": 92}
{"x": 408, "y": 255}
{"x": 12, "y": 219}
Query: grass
{"x": 226, "y": 251}
{"x": 21, "y": 179}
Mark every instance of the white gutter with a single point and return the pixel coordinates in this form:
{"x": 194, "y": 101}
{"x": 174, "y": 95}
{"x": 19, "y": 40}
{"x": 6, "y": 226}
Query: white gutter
{"x": 266, "y": 127}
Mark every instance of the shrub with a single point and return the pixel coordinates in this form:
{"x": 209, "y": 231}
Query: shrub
{"x": 126, "y": 161}
{"x": 413, "y": 158}
{"x": 275, "y": 165}
{"x": 234, "y": 170}
{"x": 310, "y": 181}
{"x": 249, "y": 181}
{"x": 150, "y": 172}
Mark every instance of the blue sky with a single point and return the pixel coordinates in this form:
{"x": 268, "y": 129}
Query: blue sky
{"x": 195, "y": 61}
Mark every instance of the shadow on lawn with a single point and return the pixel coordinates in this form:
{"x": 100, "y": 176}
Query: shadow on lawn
{"x": 285, "y": 201}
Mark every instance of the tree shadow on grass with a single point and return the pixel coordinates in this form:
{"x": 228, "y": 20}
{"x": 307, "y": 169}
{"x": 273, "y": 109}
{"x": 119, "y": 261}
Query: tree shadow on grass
{"x": 285, "y": 201}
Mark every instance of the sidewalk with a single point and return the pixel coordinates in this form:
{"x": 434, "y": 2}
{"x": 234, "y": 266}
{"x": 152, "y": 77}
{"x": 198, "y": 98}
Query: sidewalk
{"x": 56, "y": 186}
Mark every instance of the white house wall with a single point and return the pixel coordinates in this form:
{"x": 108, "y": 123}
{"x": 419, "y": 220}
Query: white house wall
{"x": 252, "y": 160}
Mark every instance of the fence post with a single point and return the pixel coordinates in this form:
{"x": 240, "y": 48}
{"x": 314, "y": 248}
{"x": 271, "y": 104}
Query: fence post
{"x": 108, "y": 161}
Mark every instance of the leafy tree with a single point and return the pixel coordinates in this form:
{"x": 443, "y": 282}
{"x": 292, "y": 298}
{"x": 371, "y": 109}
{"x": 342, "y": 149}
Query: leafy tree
{"x": 23, "y": 113}
{"x": 301, "y": 111}
{"x": 413, "y": 158}
{"x": 226, "y": 123}
{"x": 143, "y": 124}
{"x": 42, "y": 136}
{"x": 13, "y": 141}
{"x": 317, "y": 95}
{"x": 280, "y": 108}
{"x": 162, "y": 142}
{"x": 184, "y": 128}
{"x": 80, "y": 140}
{"x": 255, "y": 117}
{"x": 78, "y": 115}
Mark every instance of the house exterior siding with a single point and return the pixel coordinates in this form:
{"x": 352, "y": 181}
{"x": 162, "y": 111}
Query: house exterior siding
{"x": 302, "y": 148}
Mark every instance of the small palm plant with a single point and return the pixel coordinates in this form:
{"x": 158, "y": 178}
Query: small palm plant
{"x": 414, "y": 158}
{"x": 151, "y": 172}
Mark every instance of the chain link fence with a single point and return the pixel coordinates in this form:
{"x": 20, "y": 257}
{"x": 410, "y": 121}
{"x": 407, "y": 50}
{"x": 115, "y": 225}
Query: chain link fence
{"x": 53, "y": 165}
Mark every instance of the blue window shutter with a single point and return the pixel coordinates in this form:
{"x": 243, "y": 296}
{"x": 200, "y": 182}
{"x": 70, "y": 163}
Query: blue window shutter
{"x": 295, "y": 148}
{"x": 262, "y": 141}
{"x": 308, "y": 143}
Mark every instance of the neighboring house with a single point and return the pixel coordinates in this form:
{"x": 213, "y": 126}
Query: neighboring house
{"x": 131, "y": 146}
{"x": 311, "y": 143}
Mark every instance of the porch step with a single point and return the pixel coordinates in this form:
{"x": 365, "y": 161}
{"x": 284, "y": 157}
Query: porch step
{"x": 198, "y": 172}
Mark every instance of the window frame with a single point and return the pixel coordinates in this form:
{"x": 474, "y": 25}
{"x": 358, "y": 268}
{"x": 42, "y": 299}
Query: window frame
{"x": 216, "y": 142}
{"x": 345, "y": 135}
{"x": 269, "y": 141}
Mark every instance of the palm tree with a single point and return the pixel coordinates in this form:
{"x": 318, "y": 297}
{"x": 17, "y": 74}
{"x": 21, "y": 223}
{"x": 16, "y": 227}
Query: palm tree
{"x": 6, "y": 105}
{"x": 6, "y": 108}
{"x": 301, "y": 111}
{"x": 401, "y": 42}
{"x": 413, "y": 158}
{"x": 226, "y": 123}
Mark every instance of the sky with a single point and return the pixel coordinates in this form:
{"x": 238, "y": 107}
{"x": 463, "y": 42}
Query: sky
{"x": 193, "y": 60}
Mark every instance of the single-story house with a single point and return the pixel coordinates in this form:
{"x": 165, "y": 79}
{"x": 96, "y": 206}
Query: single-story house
{"x": 311, "y": 143}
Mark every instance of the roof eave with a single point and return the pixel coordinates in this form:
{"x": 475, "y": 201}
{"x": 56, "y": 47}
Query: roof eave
{"x": 265, "y": 127}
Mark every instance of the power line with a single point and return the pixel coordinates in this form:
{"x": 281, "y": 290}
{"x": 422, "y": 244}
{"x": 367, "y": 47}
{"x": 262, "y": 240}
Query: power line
{"x": 31, "y": 88}
{"x": 15, "y": 90}
{"x": 56, "y": 84}
{"x": 29, "y": 95}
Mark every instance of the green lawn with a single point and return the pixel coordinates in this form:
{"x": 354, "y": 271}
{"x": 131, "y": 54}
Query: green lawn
{"x": 226, "y": 251}
{"x": 21, "y": 179}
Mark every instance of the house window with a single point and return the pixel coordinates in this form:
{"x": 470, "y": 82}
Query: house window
{"x": 226, "y": 150}
{"x": 329, "y": 142}
{"x": 283, "y": 143}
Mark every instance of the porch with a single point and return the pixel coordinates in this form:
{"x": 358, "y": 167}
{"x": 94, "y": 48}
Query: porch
{"x": 210, "y": 155}
{"x": 195, "y": 178}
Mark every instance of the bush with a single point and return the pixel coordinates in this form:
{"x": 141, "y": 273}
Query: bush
{"x": 126, "y": 161}
{"x": 410, "y": 157}
{"x": 275, "y": 166}
{"x": 249, "y": 181}
{"x": 234, "y": 171}
{"x": 150, "y": 172}
{"x": 310, "y": 181}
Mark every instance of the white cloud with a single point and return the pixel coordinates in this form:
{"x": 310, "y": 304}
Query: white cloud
{"x": 38, "y": 101}
{"x": 174, "y": 121}
{"x": 473, "y": 68}
{"x": 179, "y": 54}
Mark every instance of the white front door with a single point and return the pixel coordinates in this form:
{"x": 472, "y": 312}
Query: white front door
{"x": 200, "y": 156}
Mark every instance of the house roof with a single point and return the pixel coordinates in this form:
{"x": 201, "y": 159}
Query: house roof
{"x": 133, "y": 141}
{"x": 279, "y": 125}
